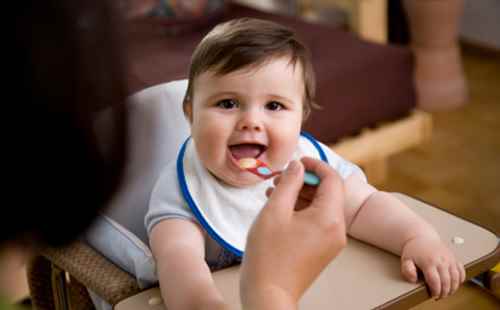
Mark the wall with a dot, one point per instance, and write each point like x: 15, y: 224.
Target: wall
x: 480, y: 23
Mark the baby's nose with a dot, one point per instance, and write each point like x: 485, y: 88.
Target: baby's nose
x: 250, y: 121
x: 250, y: 126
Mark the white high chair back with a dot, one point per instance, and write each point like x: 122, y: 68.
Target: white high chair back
x: 157, y: 128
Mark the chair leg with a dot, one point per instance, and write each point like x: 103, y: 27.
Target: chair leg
x: 40, y: 284
x: 69, y: 294
x: 51, y: 288
x: 60, y: 289
x: 79, y: 296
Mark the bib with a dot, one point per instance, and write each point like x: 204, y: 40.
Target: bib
x: 224, y: 211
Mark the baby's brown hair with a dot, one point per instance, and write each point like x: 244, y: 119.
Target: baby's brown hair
x: 245, y: 42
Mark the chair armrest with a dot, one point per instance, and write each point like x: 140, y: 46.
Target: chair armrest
x: 94, y: 271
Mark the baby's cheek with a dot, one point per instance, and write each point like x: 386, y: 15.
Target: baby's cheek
x: 210, y: 151
x: 284, y: 152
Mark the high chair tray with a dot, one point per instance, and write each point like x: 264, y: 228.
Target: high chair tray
x: 364, y: 271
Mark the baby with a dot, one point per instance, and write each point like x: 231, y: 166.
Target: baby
x: 251, y: 86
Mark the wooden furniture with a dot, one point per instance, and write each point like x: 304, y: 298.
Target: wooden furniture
x: 372, y: 148
x: 362, y: 270
x: 368, y: 18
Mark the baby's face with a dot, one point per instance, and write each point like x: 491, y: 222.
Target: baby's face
x: 253, y: 112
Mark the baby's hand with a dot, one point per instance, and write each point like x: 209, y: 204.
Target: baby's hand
x: 443, y: 273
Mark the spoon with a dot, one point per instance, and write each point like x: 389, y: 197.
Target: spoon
x: 263, y: 171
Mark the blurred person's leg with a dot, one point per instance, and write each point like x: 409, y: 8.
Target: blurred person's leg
x: 440, y: 80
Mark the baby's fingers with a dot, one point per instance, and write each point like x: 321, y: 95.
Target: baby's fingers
x: 455, y: 278
x: 433, y: 281
x: 409, y: 270
x: 461, y: 270
x: 444, y: 274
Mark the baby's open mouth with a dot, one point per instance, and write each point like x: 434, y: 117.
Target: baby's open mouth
x: 245, y: 150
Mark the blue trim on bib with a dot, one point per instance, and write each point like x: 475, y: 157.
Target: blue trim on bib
x: 318, y: 147
x: 181, y: 176
x: 192, y: 205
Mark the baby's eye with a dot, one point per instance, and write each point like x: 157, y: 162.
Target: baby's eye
x: 274, y: 106
x: 227, y: 104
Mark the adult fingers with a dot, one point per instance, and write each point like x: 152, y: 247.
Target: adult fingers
x: 329, y: 192
x: 302, y: 204
x: 306, y: 193
x: 319, y: 167
x: 284, y: 196
x: 303, y: 201
x: 269, y: 191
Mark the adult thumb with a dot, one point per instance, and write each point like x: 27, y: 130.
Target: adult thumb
x: 284, y: 196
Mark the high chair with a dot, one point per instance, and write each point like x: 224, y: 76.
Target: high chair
x: 157, y: 128
x: 118, y: 268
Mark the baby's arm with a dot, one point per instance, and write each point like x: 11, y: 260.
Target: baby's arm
x: 185, y: 280
x: 384, y: 221
x: 380, y: 219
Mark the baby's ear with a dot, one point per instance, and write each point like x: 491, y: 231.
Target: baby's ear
x: 188, y: 110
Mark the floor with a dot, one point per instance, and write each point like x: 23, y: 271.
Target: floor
x: 459, y: 168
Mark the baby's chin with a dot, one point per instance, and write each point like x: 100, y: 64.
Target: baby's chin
x: 245, y: 180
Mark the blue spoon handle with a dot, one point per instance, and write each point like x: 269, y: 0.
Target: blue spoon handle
x: 311, y: 179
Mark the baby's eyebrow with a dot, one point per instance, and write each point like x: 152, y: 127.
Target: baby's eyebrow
x: 281, y: 98
x: 221, y: 95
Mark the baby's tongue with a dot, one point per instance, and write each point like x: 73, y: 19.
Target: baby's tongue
x: 245, y: 150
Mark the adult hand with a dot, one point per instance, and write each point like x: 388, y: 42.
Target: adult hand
x: 290, y: 243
